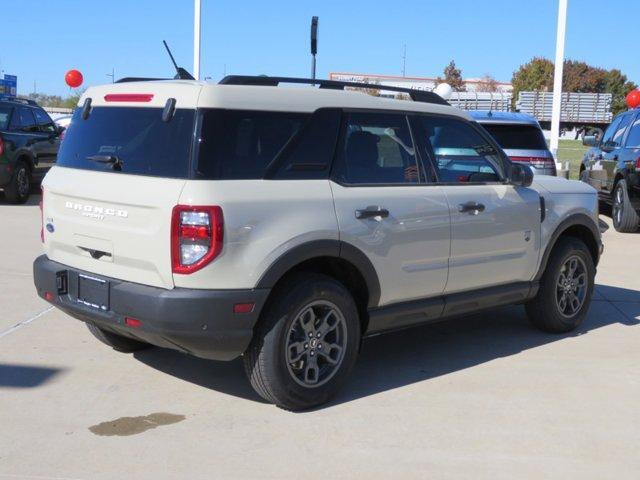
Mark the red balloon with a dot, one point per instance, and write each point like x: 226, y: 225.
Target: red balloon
x: 633, y: 98
x: 73, y: 78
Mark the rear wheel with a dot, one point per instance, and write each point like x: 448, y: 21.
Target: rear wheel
x: 306, y: 343
x: 625, y: 218
x: 566, y: 288
x: 117, y: 342
x: 18, y: 189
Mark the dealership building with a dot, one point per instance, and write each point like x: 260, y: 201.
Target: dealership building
x: 418, y: 83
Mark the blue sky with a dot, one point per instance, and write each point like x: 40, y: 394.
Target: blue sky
x: 44, y: 38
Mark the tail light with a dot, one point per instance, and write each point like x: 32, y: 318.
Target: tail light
x: 1, y: 146
x: 638, y: 165
x: 41, y: 204
x: 537, y: 162
x: 196, y: 237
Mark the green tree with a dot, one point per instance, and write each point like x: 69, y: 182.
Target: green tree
x: 453, y: 76
x: 535, y: 75
x: 619, y: 86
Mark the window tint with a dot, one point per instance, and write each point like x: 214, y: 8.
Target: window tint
x: 240, y: 144
x: 461, y: 154
x: 611, y: 130
x: 45, y: 124
x: 520, y: 137
x: 376, y: 148
x: 5, y: 115
x: 23, y: 120
x: 137, y: 136
x: 616, y: 140
x: 633, y: 140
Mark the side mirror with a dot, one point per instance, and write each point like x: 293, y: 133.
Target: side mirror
x: 60, y: 130
x: 589, y: 141
x: 521, y: 175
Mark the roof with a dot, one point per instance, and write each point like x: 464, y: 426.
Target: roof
x: 488, y: 116
x: 198, y: 94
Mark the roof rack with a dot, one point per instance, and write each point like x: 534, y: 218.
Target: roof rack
x: 25, y: 101
x: 416, y: 95
x: 139, y: 79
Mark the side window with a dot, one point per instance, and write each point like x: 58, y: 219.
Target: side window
x: 616, y: 141
x: 633, y: 139
x: 376, y: 148
x: 461, y: 153
x: 241, y: 144
x: 611, y: 130
x: 5, y: 115
x: 45, y: 124
x: 23, y: 120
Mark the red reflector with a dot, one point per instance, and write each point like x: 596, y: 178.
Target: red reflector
x: 48, y: 296
x: 243, y: 307
x: 191, y: 231
x: 128, y: 97
x: 2, y: 144
x: 132, y: 322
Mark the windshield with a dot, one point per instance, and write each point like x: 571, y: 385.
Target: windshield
x: 137, y: 137
x: 5, y: 113
x: 517, y: 137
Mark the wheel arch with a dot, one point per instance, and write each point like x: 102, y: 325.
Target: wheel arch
x: 579, y: 226
x: 340, y: 260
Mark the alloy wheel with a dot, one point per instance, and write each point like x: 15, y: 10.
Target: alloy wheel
x: 571, y: 286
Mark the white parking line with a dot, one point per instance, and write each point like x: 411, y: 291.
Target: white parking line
x: 24, y: 322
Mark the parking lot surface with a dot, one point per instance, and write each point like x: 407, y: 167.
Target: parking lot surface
x: 480, y: 397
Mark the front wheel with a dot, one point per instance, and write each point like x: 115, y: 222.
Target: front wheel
x: 625, y: 218
x: 306, y: 343
x: 566, y: 288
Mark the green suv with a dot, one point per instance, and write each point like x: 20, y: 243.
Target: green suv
x: 29, y: 142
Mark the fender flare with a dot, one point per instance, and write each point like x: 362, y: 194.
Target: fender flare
x: 324, y: 248
x: 580, y: 219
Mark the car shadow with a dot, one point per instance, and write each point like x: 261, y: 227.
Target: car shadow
x: 25, y: 376
x: 33, y: 200
x: 417, y: 354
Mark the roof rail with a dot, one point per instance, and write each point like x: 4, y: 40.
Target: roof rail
x: 25, y: 101
x: 139, y: 79
x: 415, y: 95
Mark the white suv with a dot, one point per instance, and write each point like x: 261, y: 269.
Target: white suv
x: 284, y: 224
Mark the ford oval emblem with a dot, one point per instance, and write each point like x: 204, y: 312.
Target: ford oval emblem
x: 50, y: 227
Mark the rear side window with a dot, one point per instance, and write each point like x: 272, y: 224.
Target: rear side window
x: 517, y: 137
x: 5, y: 115
x: 376, y: 148
x: 45, y: 124
x: 461, y: 153
x: 23, y: 120
x: 137, y: 137
x: 241, y: 144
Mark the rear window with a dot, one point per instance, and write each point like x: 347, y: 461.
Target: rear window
x: 517, y: 137
x: 5, y: 113
x: 241, y: 144
x: 137, y: 137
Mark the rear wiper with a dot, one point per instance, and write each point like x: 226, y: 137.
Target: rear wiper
x: 115, y: 161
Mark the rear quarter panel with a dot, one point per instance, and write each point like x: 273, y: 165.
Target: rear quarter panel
x: 263, y: 219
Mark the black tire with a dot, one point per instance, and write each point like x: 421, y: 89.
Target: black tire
x: 625, y: 219
x: 545, y: 311
x: 115, y: 341
x: 272, y: 373
x: 18, y: 189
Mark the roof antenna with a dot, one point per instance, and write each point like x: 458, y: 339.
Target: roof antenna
x: 181, y: 73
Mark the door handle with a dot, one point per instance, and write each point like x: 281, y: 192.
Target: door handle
x: 471, y: 207
x: 372, y: 212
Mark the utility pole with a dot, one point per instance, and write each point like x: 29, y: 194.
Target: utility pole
x: 196, y: 38
x: 112, y: 75
x: 557, y: 77
x: 404, y: 60
x: 314, y: 45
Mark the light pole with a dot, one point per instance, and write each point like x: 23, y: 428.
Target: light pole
x: 196, y: 39
x: 557, y: 77
x: 314, y: 45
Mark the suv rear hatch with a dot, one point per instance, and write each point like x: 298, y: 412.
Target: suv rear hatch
x: 108, y: 203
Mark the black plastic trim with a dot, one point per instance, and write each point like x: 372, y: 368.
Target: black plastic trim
x: 324, y: 248
x: 576, y: 219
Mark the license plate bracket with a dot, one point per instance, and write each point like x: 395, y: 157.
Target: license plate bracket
x: 93, y: 292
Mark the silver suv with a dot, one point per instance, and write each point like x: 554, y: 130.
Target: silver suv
x: 285, y: 224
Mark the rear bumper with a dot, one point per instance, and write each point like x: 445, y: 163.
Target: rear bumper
x: 198, y: 322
